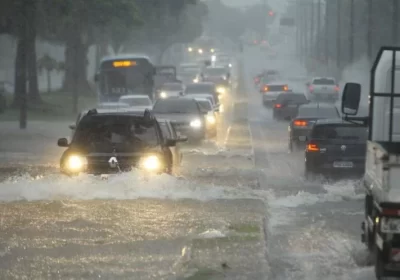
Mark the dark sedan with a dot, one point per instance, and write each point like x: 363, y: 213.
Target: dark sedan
x: 301, y: 125
x: 336, y: 146
x: 286, y: 106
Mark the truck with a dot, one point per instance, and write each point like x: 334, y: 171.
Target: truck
x: 381, y: 181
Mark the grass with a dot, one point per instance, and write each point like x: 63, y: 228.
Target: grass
x: 56, y: 106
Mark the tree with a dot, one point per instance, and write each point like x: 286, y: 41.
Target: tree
x: 168, y: 23
x: 48, y: 64
x: 77, y: 23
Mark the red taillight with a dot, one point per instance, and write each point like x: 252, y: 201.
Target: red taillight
x: 265, y: 88
x: 337, y: 88
x: 285, y: 88
x: 300, y: 123
x: 278, y: 105
x: 311, y: 147
x: 311, y: 88
x: 390, y: 212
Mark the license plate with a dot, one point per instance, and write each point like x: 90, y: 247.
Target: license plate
x: 302, y: 138
x: 343, y: 164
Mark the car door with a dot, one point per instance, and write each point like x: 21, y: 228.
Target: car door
x: 176, y: 151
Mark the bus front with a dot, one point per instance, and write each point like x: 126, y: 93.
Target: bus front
x: 118, y: 77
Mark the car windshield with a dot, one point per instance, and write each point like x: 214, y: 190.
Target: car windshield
x: 345, y: 132
x: 205, y: 104
x: 165, y: 130
x: 215, y: 71
x: 318, y: 112
x: 321, y: 82
x: 176, y: 106
x: 136, y: 101
x: 113, y: 129
x: 173, y: 87
x: 199, y: 88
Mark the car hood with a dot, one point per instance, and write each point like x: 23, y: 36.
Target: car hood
x: 177, y: 117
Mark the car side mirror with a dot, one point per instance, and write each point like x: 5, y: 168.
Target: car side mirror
x: 351, y: 99
x: 203, y: 112
x: 216, y: 109
x: 72, y: 126
x: 182, y: 138
x: 62, y: 142
x: 170, y: 142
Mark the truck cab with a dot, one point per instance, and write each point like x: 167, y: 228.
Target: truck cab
x: 381, y: 181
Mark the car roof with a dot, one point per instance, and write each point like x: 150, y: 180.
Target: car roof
x: 337, y: 121
x: 120, y: 104
x: 318, y: 105
x: 277, y: 83
x: 126, y: 57
x: 134, y: 96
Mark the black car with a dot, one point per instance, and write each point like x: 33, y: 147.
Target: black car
x: 286, y: 106
x: 301, y: 125
x: 185, y: 114
x: 335, y: 146
x: 111, y: 142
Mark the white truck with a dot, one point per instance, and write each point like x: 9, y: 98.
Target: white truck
x: 381, y: 227
x: 323, y: 89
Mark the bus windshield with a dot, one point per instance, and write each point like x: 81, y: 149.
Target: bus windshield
x: 125, y: 77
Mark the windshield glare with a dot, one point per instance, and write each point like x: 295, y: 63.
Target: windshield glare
x: 109, y: 130
x: 205, y: 104
x: 324, y: 82
x: 175, y: 106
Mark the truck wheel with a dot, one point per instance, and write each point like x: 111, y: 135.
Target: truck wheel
x: 379, y: 264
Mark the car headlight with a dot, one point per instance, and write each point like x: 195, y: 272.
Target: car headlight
x: 221, y: 90
x: 151, y: 163
x: 195, y: 123
x: 221, y: 108
x: 163, y: 94
x: 195, y: 81
x: 76, y: 163
x: 190, y: 49
x: 211, y: 119
x: 230, y: 65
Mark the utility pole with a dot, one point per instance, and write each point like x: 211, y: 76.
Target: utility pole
x: 306, y: 31
x: 395, y: 29
x: 312, y: 28
x: 369, y: 30
x: 326, y: 32
x: 298, y: 30
x: 319, y: 29
x: 338, y: 33
x: 351, y: 33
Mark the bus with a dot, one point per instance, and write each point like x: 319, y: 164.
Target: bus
x: 123, y: 75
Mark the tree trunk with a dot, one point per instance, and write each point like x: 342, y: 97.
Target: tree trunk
x: 48, y: 81
x: 34, y: 95
x: 20, y: 75
x: 76, y: 65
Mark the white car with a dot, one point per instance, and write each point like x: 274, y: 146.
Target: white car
x: 171, y: 90
x: 139, y: 102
